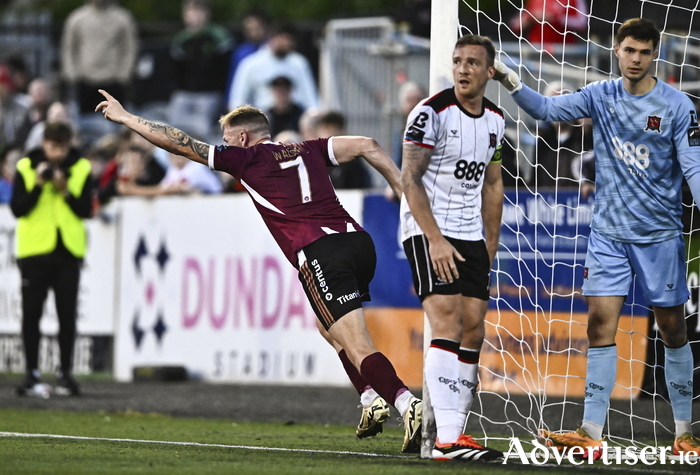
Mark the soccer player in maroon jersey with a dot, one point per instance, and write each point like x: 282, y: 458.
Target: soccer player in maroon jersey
x: 291, y: 189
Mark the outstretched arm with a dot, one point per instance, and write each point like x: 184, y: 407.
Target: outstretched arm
x: 563, y: 107
x: 161, y: 135
x: 346, y: 149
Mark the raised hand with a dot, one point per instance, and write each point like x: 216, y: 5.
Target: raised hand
x: 112, y: 109
x: 40, y: 169
x: 59, y: 181
x: 506, y: 76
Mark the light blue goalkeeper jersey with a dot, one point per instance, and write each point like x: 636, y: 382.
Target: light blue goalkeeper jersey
x: 643, y: 145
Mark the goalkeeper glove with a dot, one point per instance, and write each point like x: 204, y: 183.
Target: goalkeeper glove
x: 507, y: 77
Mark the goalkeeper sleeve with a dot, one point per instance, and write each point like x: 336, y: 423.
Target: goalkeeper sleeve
x: 507, y: 77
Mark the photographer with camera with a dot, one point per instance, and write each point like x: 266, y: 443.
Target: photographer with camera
x: 52, y: 194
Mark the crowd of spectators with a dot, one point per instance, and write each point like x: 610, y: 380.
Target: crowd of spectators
x: 545, y: 23
x: 99, y: 48
x: 560, y: 146
x: 212, y: 74
x: 200, y: 58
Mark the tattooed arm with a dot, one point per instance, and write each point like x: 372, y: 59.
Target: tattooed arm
x: 161, y: 135
x: 416, y: 160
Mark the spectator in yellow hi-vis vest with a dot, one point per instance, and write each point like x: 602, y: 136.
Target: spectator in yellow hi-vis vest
x: 52, y: 194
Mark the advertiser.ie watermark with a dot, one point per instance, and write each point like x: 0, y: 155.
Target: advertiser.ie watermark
x: 540, y: 454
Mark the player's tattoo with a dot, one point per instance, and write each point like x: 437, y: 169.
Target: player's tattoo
x: 416, y: 161
x: 201, y: 149
x: 177, y: 138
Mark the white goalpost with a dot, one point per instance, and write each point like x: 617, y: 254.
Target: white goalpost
x: 533, y: 361
x: 443, y: 35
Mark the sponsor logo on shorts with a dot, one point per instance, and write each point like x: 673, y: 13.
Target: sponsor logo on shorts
x: 585, y: 272
x: 671, y: 288
x: 346, y: 298
x: 318, y: 272
x: 439, y: 281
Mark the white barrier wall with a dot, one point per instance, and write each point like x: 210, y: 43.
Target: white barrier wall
x: 96, y: 312
x: 204, y: 285
x: 195, y: 281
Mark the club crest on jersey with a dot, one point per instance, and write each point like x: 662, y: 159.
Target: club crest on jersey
x: 653, y: 123
x: 493, y: 140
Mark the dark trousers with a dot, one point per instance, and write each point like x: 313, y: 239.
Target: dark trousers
x: 60, y: 272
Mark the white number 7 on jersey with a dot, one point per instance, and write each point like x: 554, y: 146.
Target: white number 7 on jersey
x: 303, y: 177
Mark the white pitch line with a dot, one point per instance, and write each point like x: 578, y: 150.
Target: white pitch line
x: 199, y: 444
x: 308, y: 451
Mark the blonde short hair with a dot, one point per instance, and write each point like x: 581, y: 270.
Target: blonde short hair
x: 245, y: 116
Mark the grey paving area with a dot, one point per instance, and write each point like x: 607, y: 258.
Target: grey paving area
x: 518, y: 416
x: 197, y: 399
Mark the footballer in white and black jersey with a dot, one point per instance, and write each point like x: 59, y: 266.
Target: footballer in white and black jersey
x: 450, y: 224
x: 463, y: 145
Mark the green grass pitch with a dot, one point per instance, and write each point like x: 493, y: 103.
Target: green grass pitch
x: 314, y: 448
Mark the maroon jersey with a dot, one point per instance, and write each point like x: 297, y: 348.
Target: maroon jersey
x: 291, y: 189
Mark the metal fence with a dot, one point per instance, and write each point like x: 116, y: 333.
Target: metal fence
x: 29, y: 36
x: 363, y: 64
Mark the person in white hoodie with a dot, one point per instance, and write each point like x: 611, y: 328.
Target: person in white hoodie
x: 251, y: 83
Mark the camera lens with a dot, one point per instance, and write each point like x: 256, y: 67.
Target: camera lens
x: 47, y: 174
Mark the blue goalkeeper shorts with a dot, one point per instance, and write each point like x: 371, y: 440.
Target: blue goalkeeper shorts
x: 659, y: 267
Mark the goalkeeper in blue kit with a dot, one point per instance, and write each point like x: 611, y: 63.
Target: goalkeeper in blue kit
x: 646, y: 139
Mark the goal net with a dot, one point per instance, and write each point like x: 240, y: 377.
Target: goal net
x: 533, y: 361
